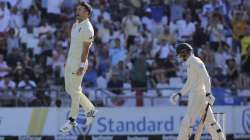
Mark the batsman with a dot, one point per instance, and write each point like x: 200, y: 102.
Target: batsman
x: 200, y: 99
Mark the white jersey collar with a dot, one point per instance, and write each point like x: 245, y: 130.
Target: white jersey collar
x: 84, y: 21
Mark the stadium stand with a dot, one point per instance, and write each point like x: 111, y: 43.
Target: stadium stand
x: 133, y: 55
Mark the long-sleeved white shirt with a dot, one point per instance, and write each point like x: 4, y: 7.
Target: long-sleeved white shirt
x: 198, y: 80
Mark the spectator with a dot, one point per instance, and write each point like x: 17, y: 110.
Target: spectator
x: 7, y: 84
x: 33, y: 17
x: 115, y: 85
x: 239, y: 25
x: 131, y: 24
x: 4, y: 68
x: 220, y: 57
x: 219, y: 79
x: 103, y: 60
x: 245, y: 41
x: 34, y: 36
x: 164, y: 69
x: 28, y: 67
x: 104, y: 32
x: 104, y: 12
x: 12, y: 3
x: 171, y: 67
x: 47, y: 47
x: 26, y: 83
x: 168, y: 36
x: 90, y: 76
x: 13, y: 40
x: 135, y: 50
x: 41, y: 98
x: 219, y: 6
x: 138, y: 72
x: 62, y: 38
x: 25, y: 4
x: 158, y: 74
x: 200, y: 37
x: 43, y: 6
x: 29, y: 39
x: 16, y: 18
x: 147, y: 20
x: 45, y: 29
x: 117, y: 53
x: 246, y: 62
x: 26, y: 89
x: 4, y: 17
x: 162, y: 49
x: 68, y: 4
x: 102, y: 81
x: 176, y: 10
x: 186, y: 28
x: 54, y: 10
x: 216, y: 31
x: 208, y: 9
x: 122, y: 71
x: 18, y: 72
x: 39, y: 69
x: 157, y: 10
x: 207, y: 55
x: 14, y: 56
x: 58, y: 60
x: 7, y: 91
x: 232, y: 72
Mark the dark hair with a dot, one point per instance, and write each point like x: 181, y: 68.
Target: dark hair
x: 87, y: 6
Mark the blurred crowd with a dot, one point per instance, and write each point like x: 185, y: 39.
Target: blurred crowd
x: 134, y: 43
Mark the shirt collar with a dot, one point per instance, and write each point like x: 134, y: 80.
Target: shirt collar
x: 84, y: 21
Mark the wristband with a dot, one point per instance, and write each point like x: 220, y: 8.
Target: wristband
x: 82, y: 65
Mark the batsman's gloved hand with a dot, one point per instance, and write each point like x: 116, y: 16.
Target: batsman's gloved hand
x: 210, y: 98
x: 174, y: 98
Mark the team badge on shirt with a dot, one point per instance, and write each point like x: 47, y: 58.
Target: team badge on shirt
x: 79, y: 29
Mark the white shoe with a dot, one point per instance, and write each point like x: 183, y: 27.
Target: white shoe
x: 90, y: 117
x: 68, y: 126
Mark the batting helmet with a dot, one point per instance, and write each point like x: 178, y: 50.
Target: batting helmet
x: 183, y: 47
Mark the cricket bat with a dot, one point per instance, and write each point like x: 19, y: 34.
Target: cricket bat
x: 199, y: 130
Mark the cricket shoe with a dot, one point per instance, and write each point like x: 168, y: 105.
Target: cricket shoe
x: 90, y: 117
x: 68, y: 126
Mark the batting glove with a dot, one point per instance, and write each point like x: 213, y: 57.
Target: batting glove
x: 174, y: 98
x: 210, y: 98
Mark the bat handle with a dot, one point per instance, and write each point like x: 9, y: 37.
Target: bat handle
x: 198, y: 132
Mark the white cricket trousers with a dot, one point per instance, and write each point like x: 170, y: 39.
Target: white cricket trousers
x: 73, y: 88
x: 196, y: 107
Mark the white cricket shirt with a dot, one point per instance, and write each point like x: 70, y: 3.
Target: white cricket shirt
x: 198, y: 80
x: 80, y: 32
